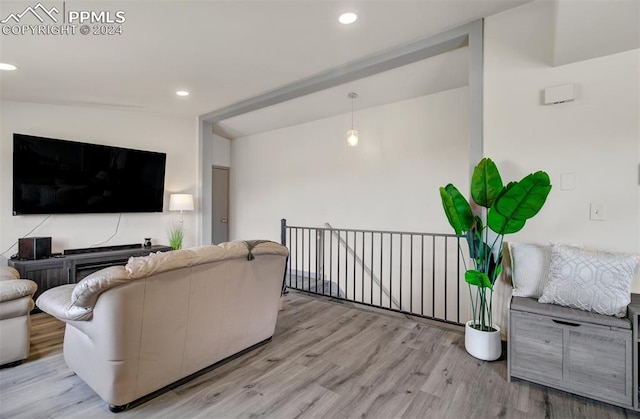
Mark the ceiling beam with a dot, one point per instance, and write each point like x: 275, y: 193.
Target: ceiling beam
x: 374, y: 64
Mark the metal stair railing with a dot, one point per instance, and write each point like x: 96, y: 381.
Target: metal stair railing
x: 407, y: 272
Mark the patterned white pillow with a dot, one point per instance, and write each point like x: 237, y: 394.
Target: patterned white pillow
x: 530, y: 268
x: 590, y: 280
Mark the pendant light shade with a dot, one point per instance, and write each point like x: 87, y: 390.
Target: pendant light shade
x: 352, y: 134
x: 352, y: 138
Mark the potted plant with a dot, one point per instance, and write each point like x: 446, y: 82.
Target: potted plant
x: 507, y: 208
x: 176, y: 235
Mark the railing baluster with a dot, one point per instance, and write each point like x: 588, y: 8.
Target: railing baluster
x: 446, y: 270
x: 411, y: 277
x: 324, y: 235
x: 433, y: 279
x: 346, y: 264
x: 458, y: 281
x: 422, y: 274
x: 338, y: 263
x: 391, y: 272
x: 355, y: 246
x: 381, y: 275
x: 331, y: 260
x: 363, y: 262
x: 297, y: 253
x: 309, y: 260
x: 371, y: 276
x: 401, y: 264
x: 290, y: 261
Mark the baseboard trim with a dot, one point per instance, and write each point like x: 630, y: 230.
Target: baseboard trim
x: 150, y: 396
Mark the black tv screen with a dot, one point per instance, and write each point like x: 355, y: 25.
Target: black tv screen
x: 66, y: 177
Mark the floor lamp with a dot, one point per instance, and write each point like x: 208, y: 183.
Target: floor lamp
x: 179, y: 202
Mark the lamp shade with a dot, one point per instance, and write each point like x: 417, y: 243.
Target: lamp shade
x: 181, y: 202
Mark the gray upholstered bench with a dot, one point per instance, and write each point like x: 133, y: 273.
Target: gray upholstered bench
x: 577, y: 351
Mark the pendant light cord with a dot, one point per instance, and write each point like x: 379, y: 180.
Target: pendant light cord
x: 352, y: 96
x: 351, y: 112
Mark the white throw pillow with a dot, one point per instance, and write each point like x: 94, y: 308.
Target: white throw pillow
x: 530, y: 268
x: 590, y: 280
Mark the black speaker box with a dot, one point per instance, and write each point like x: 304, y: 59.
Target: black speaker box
x: 34, y: 248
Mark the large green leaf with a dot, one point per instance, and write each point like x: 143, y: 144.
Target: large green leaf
x: 520, y: 202
x: 474, y: 238
x: 499, y: 222
x: 503, y: 225
x: 477, y: 278
x: 457, y: 209
x: 486, y: 183
x: 506, y: 189
x: 525, y: 199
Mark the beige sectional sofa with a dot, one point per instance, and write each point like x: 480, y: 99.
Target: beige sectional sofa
x: 133, y: 330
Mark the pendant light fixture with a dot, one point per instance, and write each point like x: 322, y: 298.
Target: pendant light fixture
x: 352, y: 134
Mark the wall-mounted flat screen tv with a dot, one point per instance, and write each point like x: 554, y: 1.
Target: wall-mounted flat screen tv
x: 53, y: 176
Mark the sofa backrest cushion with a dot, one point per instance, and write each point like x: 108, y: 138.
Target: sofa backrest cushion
x: 140, y: 267
x: 86, y: 292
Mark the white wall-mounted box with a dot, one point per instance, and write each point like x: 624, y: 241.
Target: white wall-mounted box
x: 559, y: 94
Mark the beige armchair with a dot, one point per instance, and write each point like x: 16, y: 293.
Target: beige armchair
x: 15, y: 324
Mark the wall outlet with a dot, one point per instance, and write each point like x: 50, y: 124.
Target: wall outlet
x: 597, y: 212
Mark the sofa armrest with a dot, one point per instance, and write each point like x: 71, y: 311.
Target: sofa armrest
x: 16, y: 288
x: 15, y: 308
x: 7, y: 272
x: 58, y: 302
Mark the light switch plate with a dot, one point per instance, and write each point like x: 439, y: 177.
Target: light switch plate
x: 597, y: 212
x: 567, y: 181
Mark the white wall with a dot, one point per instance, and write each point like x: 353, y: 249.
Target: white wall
x: 308, y: 175
x: 140, y: 130
x: 221, y: 151
x: 596, y: 137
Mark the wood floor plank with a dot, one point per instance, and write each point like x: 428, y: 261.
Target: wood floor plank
x: 326, y: 360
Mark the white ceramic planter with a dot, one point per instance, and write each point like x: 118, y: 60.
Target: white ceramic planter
x: 482, y: 345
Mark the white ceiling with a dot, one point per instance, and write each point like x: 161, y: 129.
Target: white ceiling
x: 227, y: 51
x: 590, y: 29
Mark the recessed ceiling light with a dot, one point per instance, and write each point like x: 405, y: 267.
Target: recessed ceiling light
x: 182, y: 93
x: 347, y: 18
x: 7, y: 67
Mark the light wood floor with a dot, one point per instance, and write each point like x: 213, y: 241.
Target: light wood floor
x: 326, y: 360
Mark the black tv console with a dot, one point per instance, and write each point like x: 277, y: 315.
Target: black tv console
x: 72, y: 268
